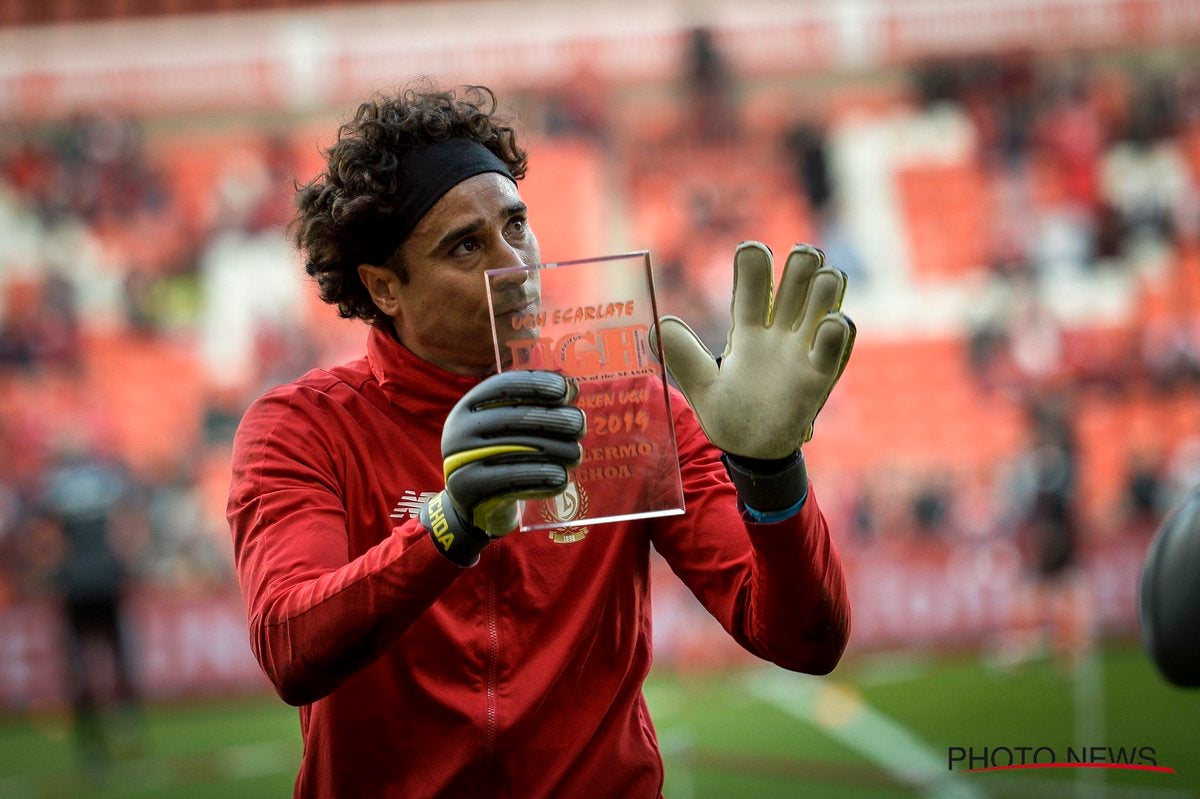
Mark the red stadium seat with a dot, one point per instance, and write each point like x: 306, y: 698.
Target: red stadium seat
x: 150, y: 390
x: 946, y: 209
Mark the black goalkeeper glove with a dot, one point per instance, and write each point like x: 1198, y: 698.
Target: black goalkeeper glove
x: 511, y: 437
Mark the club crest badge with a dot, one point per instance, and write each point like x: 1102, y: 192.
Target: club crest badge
x: 570, y: 504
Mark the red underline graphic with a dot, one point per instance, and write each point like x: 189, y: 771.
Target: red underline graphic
x: 1125, y: 766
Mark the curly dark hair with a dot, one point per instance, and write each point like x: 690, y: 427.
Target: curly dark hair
x: 342, y: 215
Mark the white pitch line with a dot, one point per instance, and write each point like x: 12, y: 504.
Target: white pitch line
x: 840, y: 712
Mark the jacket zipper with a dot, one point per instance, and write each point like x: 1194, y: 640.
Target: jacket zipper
x: 493, y: 665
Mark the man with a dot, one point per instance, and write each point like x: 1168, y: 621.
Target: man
x: 444, y: 654
x: 88, y: 504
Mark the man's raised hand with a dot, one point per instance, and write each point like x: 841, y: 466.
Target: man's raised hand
x: 784, y: 354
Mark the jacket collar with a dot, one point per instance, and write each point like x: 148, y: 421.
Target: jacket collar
x: 410, y: 380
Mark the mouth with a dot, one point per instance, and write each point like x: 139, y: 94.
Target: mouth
x: 528, y: 307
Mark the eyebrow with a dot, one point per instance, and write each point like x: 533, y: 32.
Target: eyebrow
x: 464, y: 230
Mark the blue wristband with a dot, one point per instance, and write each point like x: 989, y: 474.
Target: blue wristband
x: 758, y: 517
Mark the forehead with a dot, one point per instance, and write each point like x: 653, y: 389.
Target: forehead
x: 482, y: 198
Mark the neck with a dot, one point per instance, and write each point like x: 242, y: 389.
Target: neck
x: 443, y: 360
x: 467, y: 370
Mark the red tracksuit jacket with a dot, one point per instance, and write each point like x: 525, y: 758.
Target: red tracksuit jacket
x: 520, y: 676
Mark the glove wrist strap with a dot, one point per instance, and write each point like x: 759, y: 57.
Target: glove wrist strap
x: 770, y: 490
x: 459, y: 541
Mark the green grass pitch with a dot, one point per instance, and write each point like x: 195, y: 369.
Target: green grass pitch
x: 878, y: 727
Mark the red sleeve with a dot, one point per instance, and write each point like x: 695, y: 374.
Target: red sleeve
x: 316, y: 615
x: 778, y: 589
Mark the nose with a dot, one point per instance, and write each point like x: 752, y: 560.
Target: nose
x: 515, y: 276
x: 508, y: 256
x: 512, y: 289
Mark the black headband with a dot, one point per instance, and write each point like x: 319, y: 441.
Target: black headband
x: 427, y: 174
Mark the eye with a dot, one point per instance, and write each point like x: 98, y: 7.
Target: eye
x: 518, y: 224
x: 465, y: 247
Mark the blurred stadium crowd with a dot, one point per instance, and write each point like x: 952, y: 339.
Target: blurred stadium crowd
x: 148, y: 292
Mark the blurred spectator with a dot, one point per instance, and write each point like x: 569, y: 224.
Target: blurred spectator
x: 710, y: 87
x: 1073, y: 140
x: 862, y: 516
x: 989, y: 319
x: 1111, y: 233
x: 59, y: 333
x: 1171, y: 352
x: 1044, y: 491
x: 12, y: 512
x: 1043, y: 515
x: 938, y: 81
x: 578, y: 106
x: 931, y: 506
x: 1035, y: 337
x: 91, y: 536
x: 18, y: 336
x: 998, y: 93
x: 39, y: 327
x: 222, y: 413
x: 1146, y: 495
x: 807, y: 147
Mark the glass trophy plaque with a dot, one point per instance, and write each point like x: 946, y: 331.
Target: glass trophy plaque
x: 591, y: 320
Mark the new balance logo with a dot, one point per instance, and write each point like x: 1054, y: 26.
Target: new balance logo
x: 411, y: 503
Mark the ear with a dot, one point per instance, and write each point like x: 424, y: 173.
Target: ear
x: 383, y: 285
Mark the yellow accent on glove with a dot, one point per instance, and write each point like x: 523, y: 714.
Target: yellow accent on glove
x: 461, y: 459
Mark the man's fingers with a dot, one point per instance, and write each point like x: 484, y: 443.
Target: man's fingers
x: 685, y: 356
x: 521, y: 387
x: 568, y: 424
x: 831, y: 345
x: 512, y: 449
x: 824, y: 297
x: 752, y: 284
x: 484, y: 481
x: 514, y: 416
x: 802, y: 263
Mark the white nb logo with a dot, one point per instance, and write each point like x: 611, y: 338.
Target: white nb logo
x: 411, y: 503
